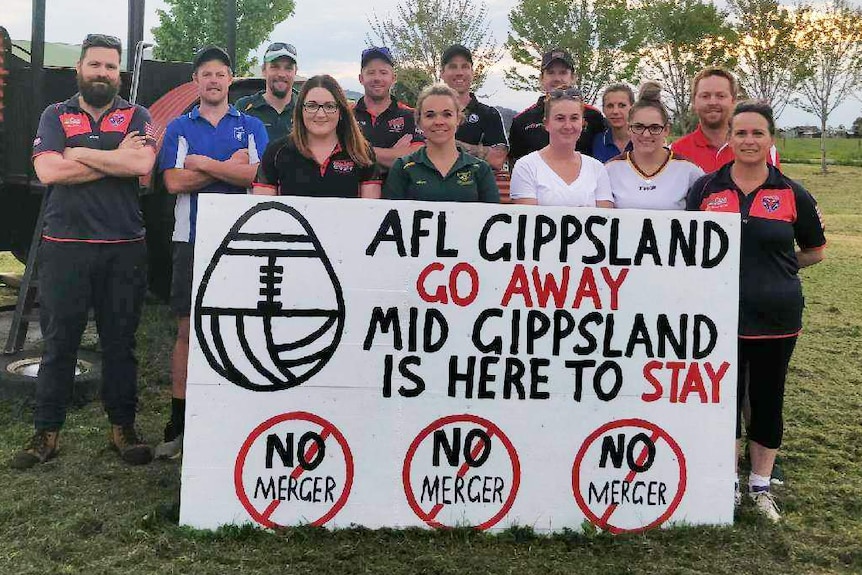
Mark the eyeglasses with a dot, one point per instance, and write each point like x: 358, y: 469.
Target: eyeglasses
x: 327, y: 107
x: 566, y: 93
x: 653, y: 129
x: 101, y: 41
x: 377, y: 50
x: 276, y: 46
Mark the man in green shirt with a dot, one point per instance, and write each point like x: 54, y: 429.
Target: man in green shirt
x: 415, y: 177
x: 274, y: 106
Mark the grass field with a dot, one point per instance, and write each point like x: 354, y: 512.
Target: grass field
x: 842, y: 151
x: 87, y: 513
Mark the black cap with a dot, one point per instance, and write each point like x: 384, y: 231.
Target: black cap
x: 211, y: 52
x: 557, y: 54
x: 456, y: 50
x: 378, y: 53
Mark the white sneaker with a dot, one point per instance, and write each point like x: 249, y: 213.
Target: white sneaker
x: 737, y: 495
x: 170, y: 449
x: 765, y: 504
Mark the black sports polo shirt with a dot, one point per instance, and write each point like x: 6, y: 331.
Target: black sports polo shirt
x: 482, y: 125
x: 104, y: 210
x: 385, y: 130
x: 284, y: 169
x: 528, y: 133
x: 775, y: 218
x: 277, y: 125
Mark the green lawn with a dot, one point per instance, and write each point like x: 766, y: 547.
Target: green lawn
x: 844, y: 151
x: 87, y: 513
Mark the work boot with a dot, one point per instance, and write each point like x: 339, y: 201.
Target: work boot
x: 43, y: 446
x: 126, y: 440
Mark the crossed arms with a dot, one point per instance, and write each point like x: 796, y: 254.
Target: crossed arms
x: 132, y: 158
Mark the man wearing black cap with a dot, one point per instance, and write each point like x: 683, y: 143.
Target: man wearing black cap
x: 91, y: 149
x: 274, y: 106
x: 212, y: 149
x: 388, y: 124
x: 481, y: 134
x: 528, y: 132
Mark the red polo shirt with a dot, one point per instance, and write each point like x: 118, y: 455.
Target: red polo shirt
x: 696, y: 147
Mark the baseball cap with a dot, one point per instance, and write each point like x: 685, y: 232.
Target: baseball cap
x: 379, y: 52
x: 456, y: 50
x: 555, y: 54
x: 211, y: 52
x: 278, y: 50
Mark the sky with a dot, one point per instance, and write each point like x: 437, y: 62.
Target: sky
x: 329, y: 38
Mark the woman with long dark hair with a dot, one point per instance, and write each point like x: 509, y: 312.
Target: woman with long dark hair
x: 325, y: 154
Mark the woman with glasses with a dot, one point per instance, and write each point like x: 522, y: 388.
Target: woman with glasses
x: 558, y: 175
x: 650, y: 176
x: 325, y: 155
x: 440, y: 171
x: 781, y: 233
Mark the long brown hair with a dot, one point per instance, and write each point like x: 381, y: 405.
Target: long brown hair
x: 348, y: 131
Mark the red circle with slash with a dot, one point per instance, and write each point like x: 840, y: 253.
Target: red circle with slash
x: 656, y: 434
x: 328, y: 430
x: 492, y: 431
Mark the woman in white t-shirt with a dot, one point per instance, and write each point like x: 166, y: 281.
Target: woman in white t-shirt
x: 650, y: 176
x: 557, y: 175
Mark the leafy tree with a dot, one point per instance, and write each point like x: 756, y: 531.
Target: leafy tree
x: 831, y: 38
x: 857, y: 127
x: 599, y: 34
x: 188, y: 25
x: 770, y: 63
x: 420, y: 31
x: 410, y: 83
x: 681, y: 37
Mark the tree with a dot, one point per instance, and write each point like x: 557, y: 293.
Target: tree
x: 857, y: 127
x: 770, y: 63
x: 190, y: 24
x: 831, y: 38
x: 420, y: 31
x: 410, y: 82
x: 599, y: 34
x: 681, y: 37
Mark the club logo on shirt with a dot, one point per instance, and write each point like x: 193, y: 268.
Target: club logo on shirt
x: 72, y: 121
x: 396, y: 125
x: 534, y: 126
x: 771, y: 203
x: 343, y: 166
x: 37, y: 141
x: 465, y: 178
x: 239, y: 133
x: 117, y: 119
x: 473, y: 119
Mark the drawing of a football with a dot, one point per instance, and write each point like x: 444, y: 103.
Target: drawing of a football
x: 269, y: 312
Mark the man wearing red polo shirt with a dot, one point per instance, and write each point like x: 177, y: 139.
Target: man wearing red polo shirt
x: 713, y: 100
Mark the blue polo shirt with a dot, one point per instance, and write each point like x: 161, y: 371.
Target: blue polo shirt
x: 604, y: 147
x: 192, y: 134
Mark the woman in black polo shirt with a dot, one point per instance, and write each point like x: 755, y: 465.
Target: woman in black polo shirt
x: 439, y: 171
x: 325, y: 155
x: 778, y: 215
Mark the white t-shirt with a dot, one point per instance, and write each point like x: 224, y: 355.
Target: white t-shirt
x: 533, y: 178
x: 664, y: 190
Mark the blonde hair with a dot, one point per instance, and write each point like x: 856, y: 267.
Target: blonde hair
x: 348, y: 131
x: 438, y: 89
x: 649, y: 96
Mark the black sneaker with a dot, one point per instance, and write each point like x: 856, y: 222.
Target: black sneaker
x: 126, y: 440
x: 42, y: 447
x: 777, y: 477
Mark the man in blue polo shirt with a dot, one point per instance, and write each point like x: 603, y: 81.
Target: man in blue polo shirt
x: 212, y: 149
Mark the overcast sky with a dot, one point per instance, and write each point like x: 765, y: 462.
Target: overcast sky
x: 329, y: 37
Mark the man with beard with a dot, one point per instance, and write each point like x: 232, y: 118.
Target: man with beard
x: 481, y: 134
x: 90, y: 150
x: 212, y: 149
x: 274, y: 106
x: 386, y: 123
x: 528, y: 133
x: 713, y: 99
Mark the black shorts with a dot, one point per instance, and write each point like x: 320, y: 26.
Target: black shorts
x: 181, y: 281
x: 762, y: 372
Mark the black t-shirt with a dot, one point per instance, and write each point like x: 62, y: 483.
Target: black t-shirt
x: 385, y: 130
x: 104, y: 210
x: 528, y: 133
x: 482, y: 125
x: 284, y: 169
x: 775, y: 217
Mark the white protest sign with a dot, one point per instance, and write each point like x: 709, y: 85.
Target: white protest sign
x: 413, y: 364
